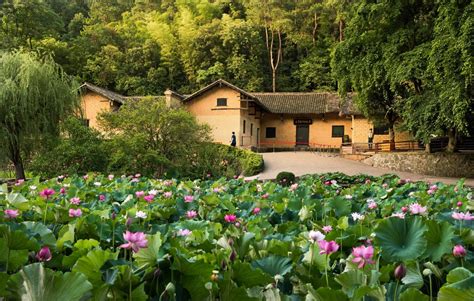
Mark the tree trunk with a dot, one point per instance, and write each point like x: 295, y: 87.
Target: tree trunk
x: 341, y: 30
x: 19, y: 170
x: 391, y: 136
x: 452, y: 137
x: 428, y: 147
x: 274, y: 80
x: 315, y: 27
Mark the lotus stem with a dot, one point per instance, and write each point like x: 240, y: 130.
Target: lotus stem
x: 130, y: 278
x: 45, y: 211
x: 431, y: 288
x: 326, y: 268
x: 396, y: 290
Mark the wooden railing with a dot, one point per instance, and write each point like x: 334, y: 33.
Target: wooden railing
x: 294, y: 145
x: 399, y: 146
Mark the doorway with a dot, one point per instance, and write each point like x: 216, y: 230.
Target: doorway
x: 302, y: 134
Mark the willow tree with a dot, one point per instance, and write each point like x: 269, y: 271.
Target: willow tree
x: 35, y: 95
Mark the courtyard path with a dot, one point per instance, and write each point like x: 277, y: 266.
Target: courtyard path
x: 301, y: 163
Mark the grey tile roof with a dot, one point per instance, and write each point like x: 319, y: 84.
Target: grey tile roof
x: 104, y: 92
x: 303, y: 102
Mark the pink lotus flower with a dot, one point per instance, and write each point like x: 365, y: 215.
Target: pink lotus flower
x: 315, y: 236
x: 11, y: 213
x: 327, y: 229
x: 168, y: 183
x: 327, y: 247
x: 404, y: 209
x: 459, y: 251
x: 101, y: 197
x: 400, y: 215
x: 62, y: 190
x: 184, y: 232
x: 372, y: 205
x: 46, y: 193
x: 134, y: 180
x: 44, y: 254
x: 256, y: 210
x: 463, y: 216
x: 188, y: 198
x: 367, y: 181
x: 327, y: 183
x: 265, y: 196
x: 230, y: 218
x: 168, y: 194
x: 216, y: 190
x: 75, y: 212
x: 135, y: 241
x: 19, y: 182
x: 75, y: 201
x: 384, y: 185
x: 191, y: 214
x: 85, y: 177
x: 110, y: 177
x: 363, y: 255
x: 459, y: 204
x: 416, y: 208
x: 140, y: 194
x: 293, y: 187
x: 149, y: 198
x: 137, y: 175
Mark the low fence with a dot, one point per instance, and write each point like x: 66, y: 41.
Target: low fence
x: 276, y: 146
x: 399, y: 146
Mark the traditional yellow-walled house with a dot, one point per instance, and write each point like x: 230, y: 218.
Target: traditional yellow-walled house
x: 277, y: 120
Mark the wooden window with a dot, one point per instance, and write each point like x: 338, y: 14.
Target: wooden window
x: 381, y: 130
x: 85, y: 122
x: 270, y: 132
x: 251, y: 129
x: 222, y: 102
x: 244, y: 127
x: 337, y: 131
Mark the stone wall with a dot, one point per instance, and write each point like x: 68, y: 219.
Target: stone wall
x: 438, y: 164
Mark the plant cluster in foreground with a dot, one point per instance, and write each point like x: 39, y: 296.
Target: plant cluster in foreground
x: 325, y: 237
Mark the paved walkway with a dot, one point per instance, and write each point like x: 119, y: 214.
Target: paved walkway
x: 301, y: 163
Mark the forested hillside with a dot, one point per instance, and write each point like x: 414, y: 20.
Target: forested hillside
x: 407, y: 60
x: 144, y: 47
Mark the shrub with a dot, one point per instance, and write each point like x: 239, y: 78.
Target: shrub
x: 80, y: 150
x: 285, y: 178
x: 152, y: 139
x: 252, y: 163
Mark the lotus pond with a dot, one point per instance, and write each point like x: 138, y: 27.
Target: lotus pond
x: 326, y: 237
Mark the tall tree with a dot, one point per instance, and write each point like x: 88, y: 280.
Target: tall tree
x: 34, y: 97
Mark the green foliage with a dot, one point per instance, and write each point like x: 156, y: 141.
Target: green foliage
x: 81, y: 150
x: 401, y: 239
x: 35, y: 95
x: 285, y: 178
x: 265, y: 253
x: 34, y: 282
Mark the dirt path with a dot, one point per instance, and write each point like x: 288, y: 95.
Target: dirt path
x: 301, y: 163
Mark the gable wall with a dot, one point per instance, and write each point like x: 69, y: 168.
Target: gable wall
x: 91, y: 105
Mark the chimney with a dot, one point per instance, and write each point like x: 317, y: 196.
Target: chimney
x: 171, y: 100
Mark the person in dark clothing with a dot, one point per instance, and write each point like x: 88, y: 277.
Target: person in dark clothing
x: 233, y: 140
x: 371, y: 138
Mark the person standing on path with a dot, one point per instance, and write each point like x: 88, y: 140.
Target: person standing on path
x: 233, y: 140
x: 371, y: 138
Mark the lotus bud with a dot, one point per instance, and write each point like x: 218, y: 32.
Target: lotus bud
x: 113, y: 216
x: 233, y: 256
x: 44, y: 254
x: 459, y: 204
x: 215, y: 276
x: 170, y: 288
x: 278, y: 278
x: 230, y: 242
x: 208, y: 286
x: 223, y: 265
x: 427, y: 272
x: 129, y: 221
x: 400, y: 271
